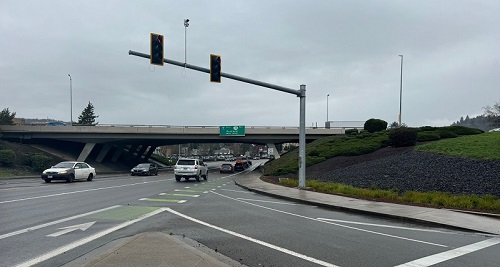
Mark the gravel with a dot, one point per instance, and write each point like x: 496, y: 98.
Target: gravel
x: 406, y: 169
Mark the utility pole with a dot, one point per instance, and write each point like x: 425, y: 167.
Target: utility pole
x: 299, y: 93
x: 400, y: 91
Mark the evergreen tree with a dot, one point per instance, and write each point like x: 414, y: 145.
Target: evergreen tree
x: 6, y: 117
x: 88, y: 116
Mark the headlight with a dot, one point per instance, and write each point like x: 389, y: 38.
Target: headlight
x: 44, y: 172
x: 63, y: 172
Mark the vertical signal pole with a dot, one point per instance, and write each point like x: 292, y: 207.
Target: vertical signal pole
x: 302, y: 138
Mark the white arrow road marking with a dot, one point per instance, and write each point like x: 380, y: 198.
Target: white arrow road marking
x: 67, y: 229
x: 63, y: 249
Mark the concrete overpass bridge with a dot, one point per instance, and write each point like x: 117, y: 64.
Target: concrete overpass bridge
x: 110, y: 142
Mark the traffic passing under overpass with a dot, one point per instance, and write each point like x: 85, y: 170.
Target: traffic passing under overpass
x: 110, y: 141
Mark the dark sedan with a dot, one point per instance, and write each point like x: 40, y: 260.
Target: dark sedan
x: 226, y: 168
x: 144, y: 169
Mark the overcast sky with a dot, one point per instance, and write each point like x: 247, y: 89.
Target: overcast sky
x: 347, y: 49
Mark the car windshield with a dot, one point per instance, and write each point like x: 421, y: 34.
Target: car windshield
x: 64, y: 165
x: 185, y: 162
x: 143, y: 165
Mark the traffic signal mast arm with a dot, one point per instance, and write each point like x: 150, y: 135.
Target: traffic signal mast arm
x: 298, y: 93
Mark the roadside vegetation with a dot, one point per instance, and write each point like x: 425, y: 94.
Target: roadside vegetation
x: 455, y: 141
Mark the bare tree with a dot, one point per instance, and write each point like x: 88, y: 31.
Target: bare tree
x: 493, y: 114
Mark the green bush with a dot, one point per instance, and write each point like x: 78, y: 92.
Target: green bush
x: 447, y: 134
x: 7, y: 157
x: 427, y: 128
x: 427, y: 136
x: 163, y: 160
x: 351, y: 131
x: 403, y: 137
x: 461, y: 130
x: 375, y: 125
x: 40, y: 162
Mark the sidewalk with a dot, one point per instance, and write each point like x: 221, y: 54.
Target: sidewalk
x: 444, y: 217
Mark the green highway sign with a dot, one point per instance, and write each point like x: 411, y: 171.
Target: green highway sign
x: 232, y: 130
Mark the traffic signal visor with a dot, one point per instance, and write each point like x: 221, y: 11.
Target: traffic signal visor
x: 156, y: 57
x: 215, y: 68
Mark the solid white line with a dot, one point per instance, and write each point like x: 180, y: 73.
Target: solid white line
x: 265, y: 201
x: 385, y: 226
x: 86, y: 240
x: 340, y: 225
x: 450, y: 254
x: 80, y: 191
x: 22, y: 231
x: 284, y: 250
x: 239, y: 191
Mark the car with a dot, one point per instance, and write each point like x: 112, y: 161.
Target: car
x: 239, y: 166
x: 145, y: 169
x: 69, y: 171
x: 226, y: 168
x: 187, y: 168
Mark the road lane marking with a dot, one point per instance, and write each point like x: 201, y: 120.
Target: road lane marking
x: 80, y: 191
x: 284, y: 250
x: 451, y: 254
x: 163, y: 200
x: 266, y: 201
x: 55, y: 222
x: 69, y: 229
x: 239, y: 191
x: 86, y: 240
x: 332, y: 223
x: 178, y: 195
x: 386, y: 226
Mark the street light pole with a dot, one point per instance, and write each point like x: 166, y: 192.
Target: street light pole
x: 400, y: 91
x: 71, y: 99
x: 327, y: 106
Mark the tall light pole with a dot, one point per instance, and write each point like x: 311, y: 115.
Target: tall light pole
x: 400, y: 91
x: 327, y: 106
x: 71, y: 99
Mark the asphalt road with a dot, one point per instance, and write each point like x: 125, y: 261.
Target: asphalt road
x: 62, y: 223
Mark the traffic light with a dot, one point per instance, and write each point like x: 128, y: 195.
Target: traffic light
x: 215, y: 68
x: 156, y: 57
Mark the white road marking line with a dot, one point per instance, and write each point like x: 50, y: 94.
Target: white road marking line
x: 273, y: 202
x: 450, y: 254
x: 284, y: 250
x: 385, y: 226
x: 181, y: 201
x: 83, y: 241
x: 80, y: 191
x: 239, y: 191
x: 69, y: 229
x: 22, y: 231
x: 340, y: 225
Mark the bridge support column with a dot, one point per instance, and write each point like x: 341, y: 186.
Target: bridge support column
x: 105, y: 149
x: 118, y: 152
x: 272, y: 147
x: 86, y: 151
x: 150, y: 152
x: 141, y: 152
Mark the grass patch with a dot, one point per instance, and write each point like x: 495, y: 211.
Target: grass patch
x: 486, y: 203
x: 484, y: 146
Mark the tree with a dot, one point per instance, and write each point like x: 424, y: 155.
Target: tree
x: 88, y: 116
x: 375, y: 125
x: 6, y: 117
x: 493, y: 114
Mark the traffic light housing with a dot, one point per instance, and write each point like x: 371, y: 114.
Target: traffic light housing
x: 215, y: 68
x: 156, y: 57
